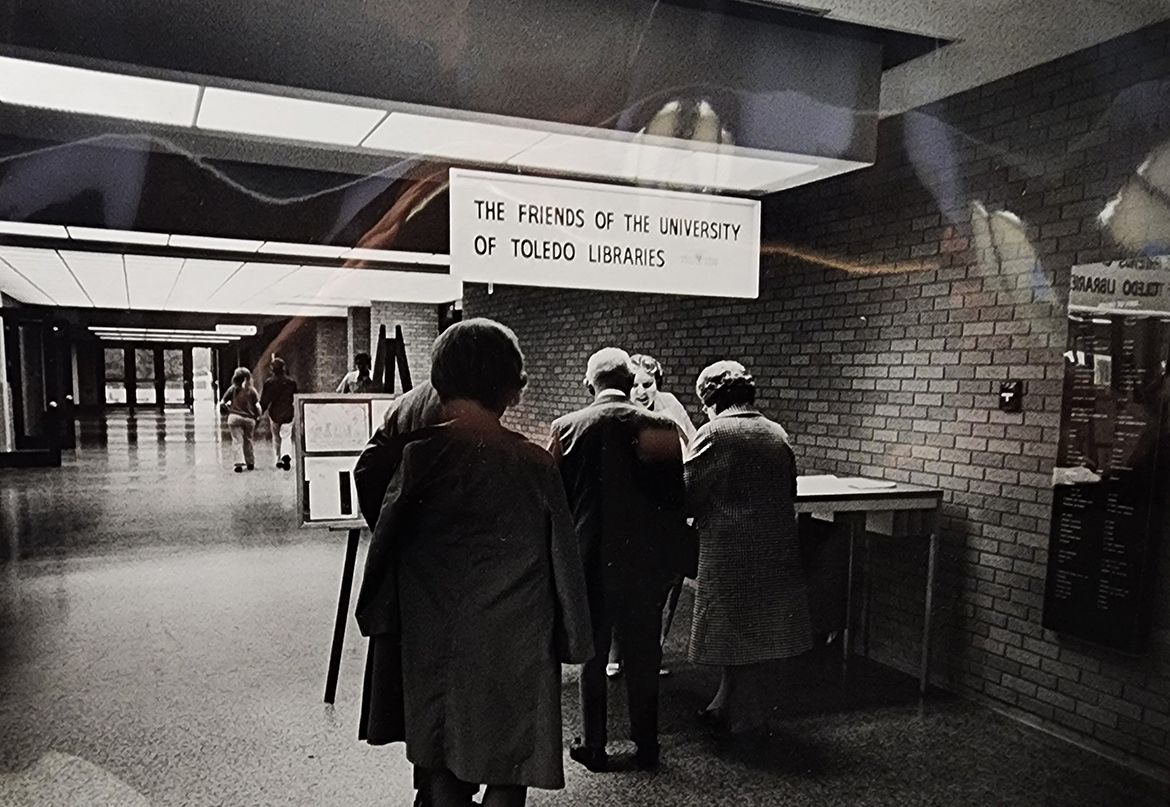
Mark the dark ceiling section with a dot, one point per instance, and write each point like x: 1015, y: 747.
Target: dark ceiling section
x: 609, y: 63
x: 142, y: 189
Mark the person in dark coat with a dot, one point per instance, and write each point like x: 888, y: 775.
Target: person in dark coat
x: 751, y: 604
x: 277, y: 400
x: 473, y: 558
x: 622, y: 468
x: 414, y: 410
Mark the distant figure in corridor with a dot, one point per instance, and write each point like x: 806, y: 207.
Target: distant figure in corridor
x: 358, y: 379
x: 751, y: 606
x: 473, y: 593
x: 277, y: 400
x: 622, y: 468
x: 242, y: 407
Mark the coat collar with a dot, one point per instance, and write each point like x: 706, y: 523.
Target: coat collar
x: 609, y: 396
x: 739, y: 411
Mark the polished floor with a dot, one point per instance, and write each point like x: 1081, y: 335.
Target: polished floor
x: 165, y: 627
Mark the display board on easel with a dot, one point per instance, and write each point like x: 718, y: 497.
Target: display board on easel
x: 330, y: 431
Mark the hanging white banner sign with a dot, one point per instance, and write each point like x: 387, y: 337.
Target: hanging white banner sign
x: 532, y: 231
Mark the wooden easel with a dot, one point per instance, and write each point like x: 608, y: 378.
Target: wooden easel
x: 395, y: 348
x: 391, y: 353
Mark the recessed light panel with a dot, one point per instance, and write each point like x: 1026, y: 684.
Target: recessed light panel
x: 117, y: 236
x: 93, y: 92
x: 286, y: 118
x: 405, y: 133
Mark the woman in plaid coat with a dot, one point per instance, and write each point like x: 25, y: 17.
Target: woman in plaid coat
x: 751, y: 607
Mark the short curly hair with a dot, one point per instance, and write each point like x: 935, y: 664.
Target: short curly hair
x: 648, y: 364
x: 479, y: 360
x: 724, y: 384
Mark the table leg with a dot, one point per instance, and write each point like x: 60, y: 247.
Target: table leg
x: 847, y: 633
x: 351, y: 548
x: 924, y: 669
x: 865, y: 593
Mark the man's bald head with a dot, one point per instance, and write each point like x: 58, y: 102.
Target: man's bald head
x: 610, y: 368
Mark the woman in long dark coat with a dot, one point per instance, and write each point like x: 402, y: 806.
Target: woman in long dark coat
x: 751, y: 604
x: 474, y: 591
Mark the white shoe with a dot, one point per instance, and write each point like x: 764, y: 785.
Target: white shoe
x: 613, y: 669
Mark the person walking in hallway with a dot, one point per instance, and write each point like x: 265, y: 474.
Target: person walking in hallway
x: 277, y: 400
x: 358, y: 379
x: 473, y: 593
x: 622, y: 469
x: 751, y: 604
x: 242, y: 407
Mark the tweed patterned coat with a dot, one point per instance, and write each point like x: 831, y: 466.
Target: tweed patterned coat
x: 752, y: 598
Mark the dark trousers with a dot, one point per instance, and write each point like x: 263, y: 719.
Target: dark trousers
x: 637, y: 622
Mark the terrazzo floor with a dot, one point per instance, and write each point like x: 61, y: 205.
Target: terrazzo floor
x: 165, y: 628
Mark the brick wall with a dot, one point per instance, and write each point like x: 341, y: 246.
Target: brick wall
x: 884, y: 324
x: 314, y: 349
x: 420, y: 327
x: 358, y: 340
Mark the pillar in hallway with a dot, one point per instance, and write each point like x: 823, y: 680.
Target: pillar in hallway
x: 7, y: 425
x: 357, y: 332
x: 420, y: 328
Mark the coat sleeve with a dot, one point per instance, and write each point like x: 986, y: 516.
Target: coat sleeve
x: 573, y: 629
x: 375, y: 467
x: 377, y: 603
x: 266, y: 398
x: 700, y: 471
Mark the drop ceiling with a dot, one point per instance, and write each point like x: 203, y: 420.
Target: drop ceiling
x: 989, y: 40
x: 124, y: 281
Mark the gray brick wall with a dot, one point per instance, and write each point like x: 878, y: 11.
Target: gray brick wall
x: 879, y: 338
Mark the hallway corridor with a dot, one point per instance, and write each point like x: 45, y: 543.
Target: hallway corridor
x: 165, y: 628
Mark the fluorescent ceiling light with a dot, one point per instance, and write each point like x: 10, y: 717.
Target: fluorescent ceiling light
x: 238, y: 330
x: 212, y: 243
x: 397, y: 256
x: 126, y: 329
x: 32, y: 228
x: 92, y: 92
x: 102, y: 275
x: 602, y: 157
x: 21, y: 288
x: 137, y: 337
x: 309, y: 250
x: 151, y: 280
x: 117, y: 236
x: 287, y: 118
x: 47, y: 271
x: 706, y: 169
x: 250, y: 280
x: 448, y: 138
x: 329, y: 285
x: 197, y: 281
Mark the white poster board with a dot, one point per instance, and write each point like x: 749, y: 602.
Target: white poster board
x: 330, y: 431
x: 534, y: 231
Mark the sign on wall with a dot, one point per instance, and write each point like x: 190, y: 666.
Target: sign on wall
x: 331, y: 431
x: 1134, y: 286
x: 534, y: 231
x: 1111, y: 466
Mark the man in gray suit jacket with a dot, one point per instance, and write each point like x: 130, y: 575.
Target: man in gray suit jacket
x: 622, y: 469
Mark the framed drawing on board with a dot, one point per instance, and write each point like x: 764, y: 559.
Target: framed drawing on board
x: 330, y: 431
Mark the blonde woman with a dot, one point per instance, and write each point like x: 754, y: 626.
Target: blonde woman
x: 241, y: 404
